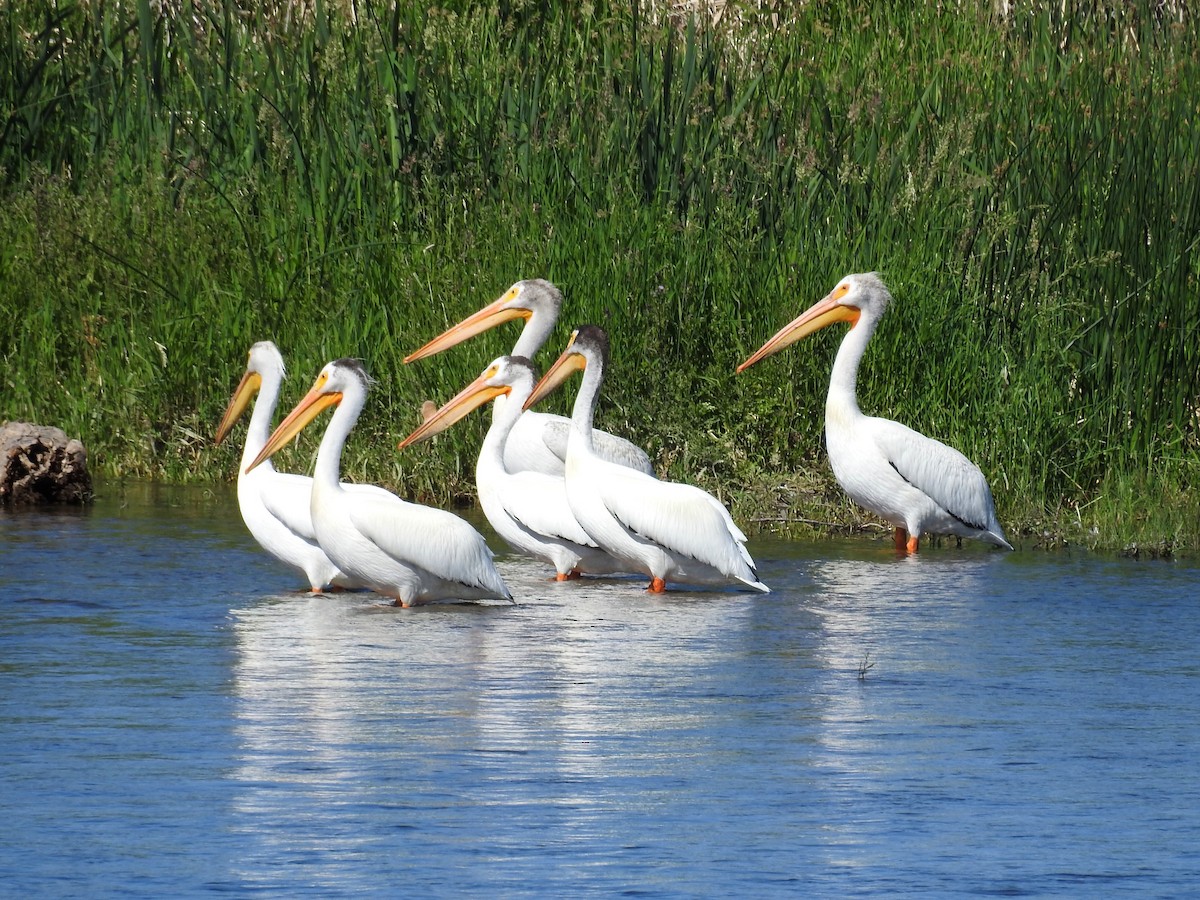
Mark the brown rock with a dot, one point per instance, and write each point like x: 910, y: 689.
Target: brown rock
x: 40, y: 464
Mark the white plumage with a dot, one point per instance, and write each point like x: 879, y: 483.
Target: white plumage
x: 527, y: 508
x: 412, y: 553
x: 668, y: 531
x: 917, y: 484
x: 538, y: 441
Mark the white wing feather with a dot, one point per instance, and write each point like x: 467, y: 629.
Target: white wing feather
x: 435, y: 540
x: 539, y: 502
x: 288, y: 499
x: 681, y: 518
x: 941, y: 472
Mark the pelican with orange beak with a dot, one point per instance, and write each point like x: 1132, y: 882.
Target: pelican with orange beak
x: 917, y: 484
x: 411, y: 553
x: 538, y: 441
x: 666, y: 530
x: 528, y: 509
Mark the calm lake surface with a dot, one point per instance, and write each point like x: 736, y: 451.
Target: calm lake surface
x: 176, y: 720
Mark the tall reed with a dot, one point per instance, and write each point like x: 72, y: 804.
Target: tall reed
x: 348, y: 178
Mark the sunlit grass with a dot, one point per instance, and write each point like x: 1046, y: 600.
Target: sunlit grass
x: 350, y: 181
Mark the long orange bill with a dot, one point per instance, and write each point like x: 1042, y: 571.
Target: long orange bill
x: 473, y: 396
x: 250, y: 385
x: 316, y: 401
x: 822, y: 313
x: 490, y: 316
x: 564, y: 367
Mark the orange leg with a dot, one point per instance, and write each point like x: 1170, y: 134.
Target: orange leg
x: 657, y: 586
x: 905, y: 542
x: 568, y: 576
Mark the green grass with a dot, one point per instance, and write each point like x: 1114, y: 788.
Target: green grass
x: 176, y: 188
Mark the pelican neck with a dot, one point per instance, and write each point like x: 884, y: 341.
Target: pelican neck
x: 258, y: 431
x: 329, y: 455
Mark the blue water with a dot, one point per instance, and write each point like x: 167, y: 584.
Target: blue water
x: 175, y: 720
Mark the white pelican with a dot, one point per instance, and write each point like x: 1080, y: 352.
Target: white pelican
x: 919, y: 485
x: 666, y: 530
x: 538, y: 441
x: 402, y: 550
x: 274, y: 504
x: 528, y: 509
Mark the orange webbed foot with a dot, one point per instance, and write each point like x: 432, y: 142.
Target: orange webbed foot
x: 657, y: 586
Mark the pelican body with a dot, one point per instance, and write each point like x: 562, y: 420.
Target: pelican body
x: 537, y: 441
x: 668, y: 531
x: 275, y: 505
x: 527, y: 508
x: 917, y: 484
x: 411, y: 553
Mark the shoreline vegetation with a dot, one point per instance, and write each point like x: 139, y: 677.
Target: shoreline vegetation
x: 180, y: 179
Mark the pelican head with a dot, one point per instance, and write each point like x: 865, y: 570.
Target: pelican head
x: 338, y: 378
x: 588, y: 346
x: 263, y: 361
x: 534, y: 297
x: 856, y: 297
x: 505, y: 375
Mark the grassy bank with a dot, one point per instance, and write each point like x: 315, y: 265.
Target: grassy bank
x: 348, y: 180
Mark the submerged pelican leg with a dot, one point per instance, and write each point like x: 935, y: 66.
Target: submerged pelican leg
x: 913, y: 542
x: 900, y: 539
x: 657, y: 586
x: 568, y: 576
